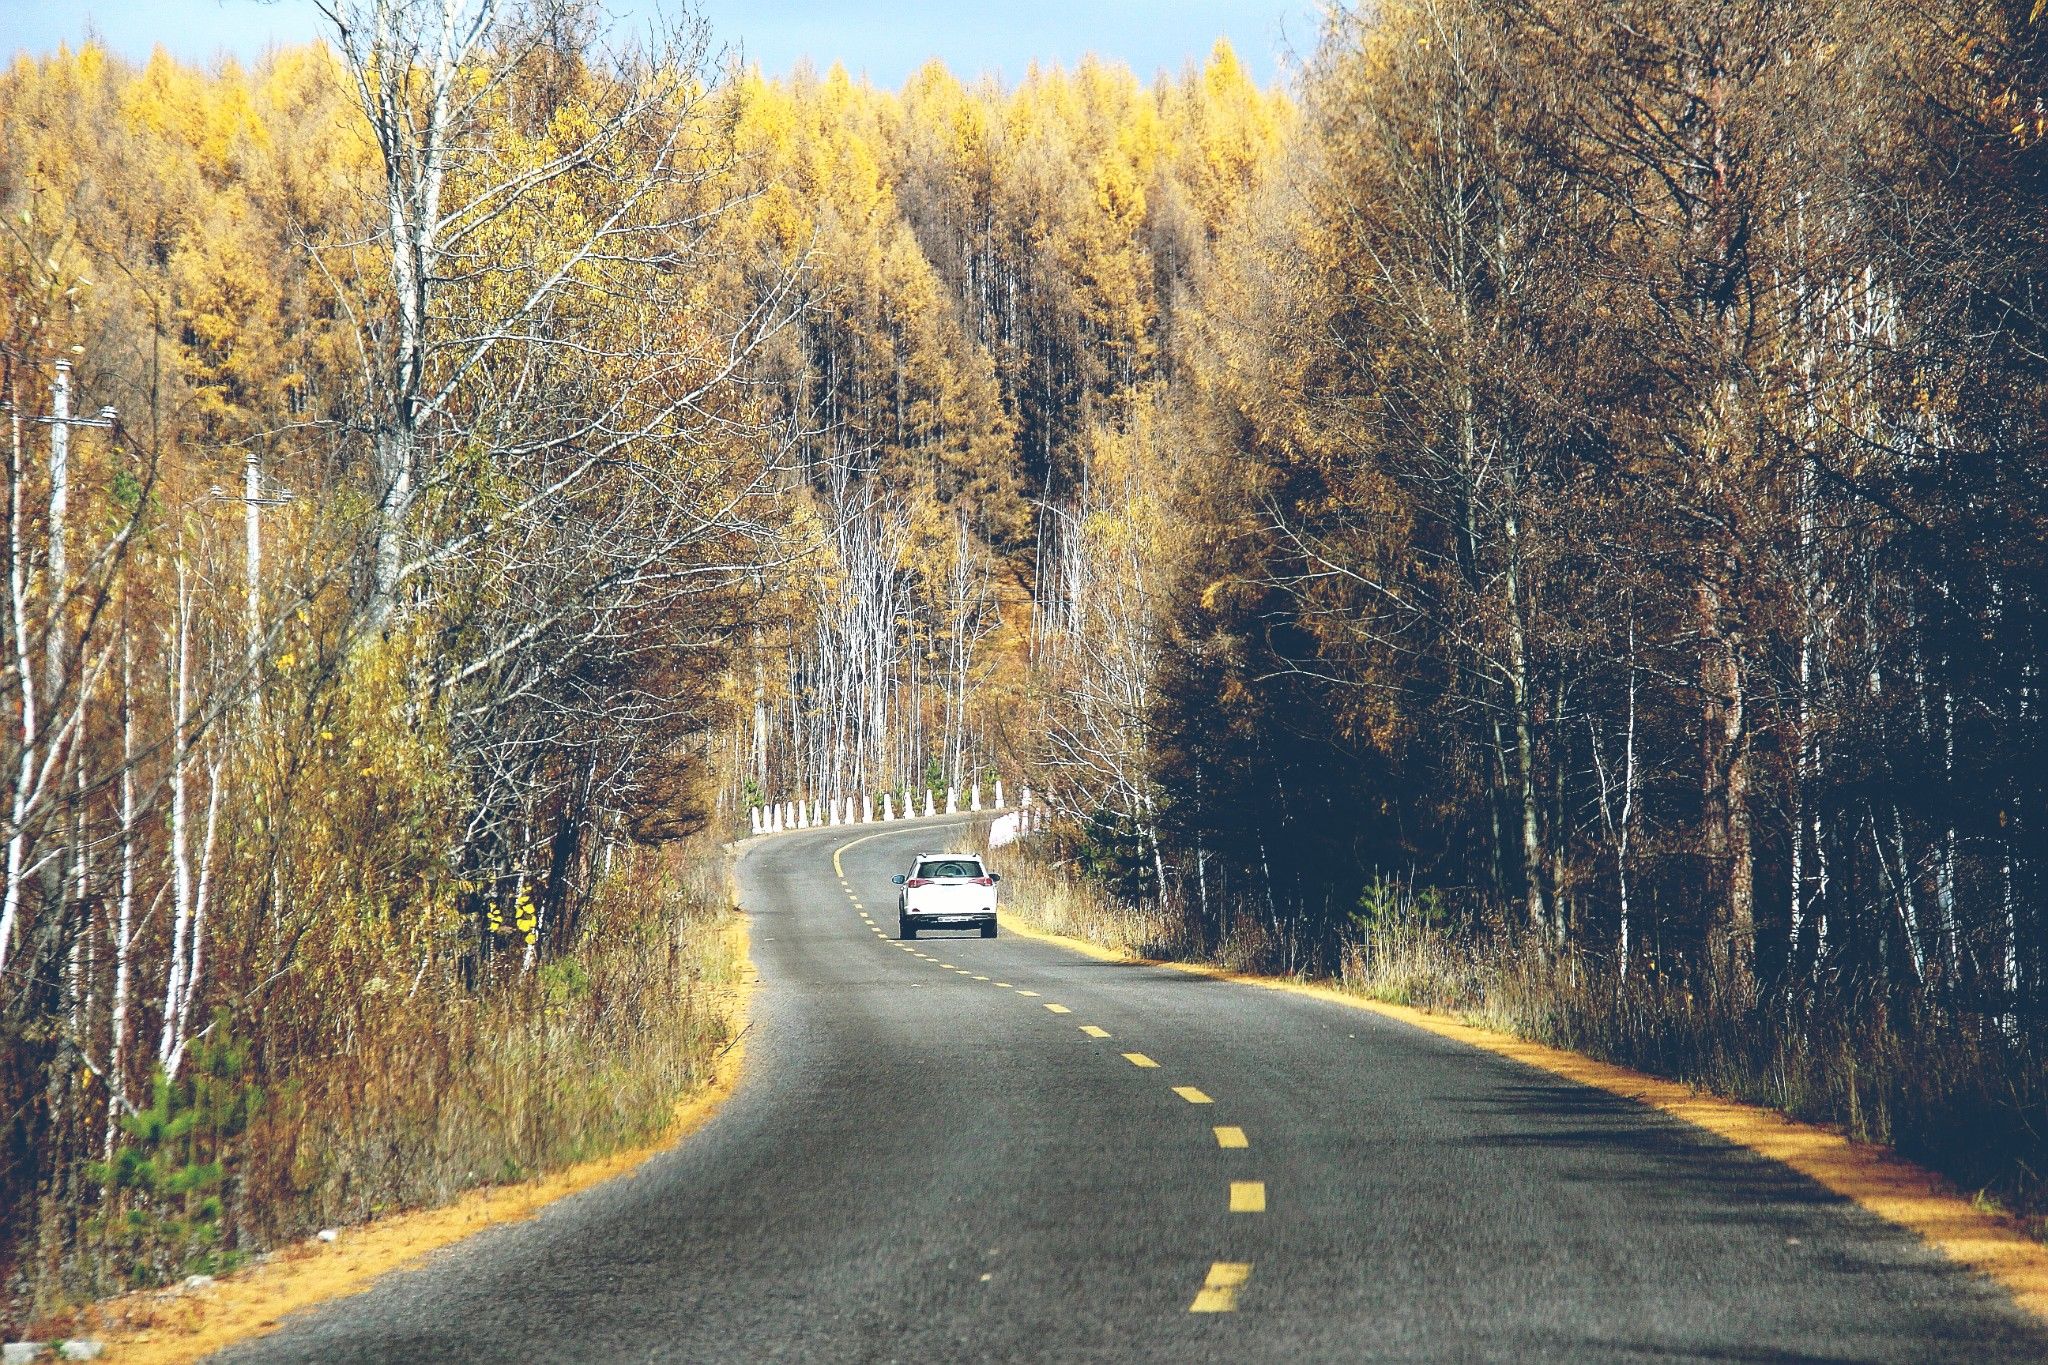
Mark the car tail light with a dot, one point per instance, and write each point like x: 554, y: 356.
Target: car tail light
x: 915, y: 882
x: 984, y: 881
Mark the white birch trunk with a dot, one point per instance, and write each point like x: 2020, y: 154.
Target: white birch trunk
x: 181, y: 859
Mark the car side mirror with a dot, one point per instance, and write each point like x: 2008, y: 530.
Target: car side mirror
x: 898, y: 879
x: 995, y: 876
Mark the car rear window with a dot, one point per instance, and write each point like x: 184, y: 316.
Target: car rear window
x: 949, y: 867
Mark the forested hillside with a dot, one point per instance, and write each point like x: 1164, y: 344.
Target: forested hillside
x: 1545, y: 515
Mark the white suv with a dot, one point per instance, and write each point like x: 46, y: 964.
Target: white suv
x: 946, y: 891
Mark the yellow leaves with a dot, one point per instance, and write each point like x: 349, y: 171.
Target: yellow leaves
x: 525, y: 918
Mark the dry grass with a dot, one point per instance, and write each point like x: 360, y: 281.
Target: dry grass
x: 581, y: 1058
x: 437, y: 1090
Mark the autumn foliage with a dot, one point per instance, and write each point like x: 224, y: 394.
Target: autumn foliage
x: 1544, y: 517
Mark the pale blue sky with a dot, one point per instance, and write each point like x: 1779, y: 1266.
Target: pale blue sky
x: 885, y: 38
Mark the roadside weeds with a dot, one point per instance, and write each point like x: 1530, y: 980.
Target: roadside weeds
x: 177, y: 1325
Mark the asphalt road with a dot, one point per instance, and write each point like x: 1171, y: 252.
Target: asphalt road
x: 921, y: 1164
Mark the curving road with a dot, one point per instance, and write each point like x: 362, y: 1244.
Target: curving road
x: 964, y: 1149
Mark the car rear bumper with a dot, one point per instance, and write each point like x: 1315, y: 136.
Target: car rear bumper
x: 928, y: 920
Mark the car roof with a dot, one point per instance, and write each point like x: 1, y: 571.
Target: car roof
x: 926, y: 857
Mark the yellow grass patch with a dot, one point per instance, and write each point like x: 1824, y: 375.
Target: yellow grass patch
x: 158, y: 1328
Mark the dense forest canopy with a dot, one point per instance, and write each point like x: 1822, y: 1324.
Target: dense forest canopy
x: 1581, y: 462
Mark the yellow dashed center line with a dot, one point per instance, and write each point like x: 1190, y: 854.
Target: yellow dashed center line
x: 1219, y: 1288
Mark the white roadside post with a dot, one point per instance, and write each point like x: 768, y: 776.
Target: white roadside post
x: 753, y: 819
x: 927, y: 803
x: 974, y: 796
x: 888, y: 805
x: 952, y: 800
x: 999, y: 793
x: 867, y: 808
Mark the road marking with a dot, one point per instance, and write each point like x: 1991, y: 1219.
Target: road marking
x: 1059, y: 1009
x: 948, y: 966
x: 1027, y: 992
x: 1219, y: 1289
x: 981, y: 978
x: 1004, y: 984
x: 1231, y: 1136
x: 1247, y: 1196
x: 1192, y: 1095
x: 1094, y: 1032
x: 1139, y: 1059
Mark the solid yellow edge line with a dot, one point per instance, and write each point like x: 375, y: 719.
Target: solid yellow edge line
x: 251, y: 1304
x: 1885, y: 1185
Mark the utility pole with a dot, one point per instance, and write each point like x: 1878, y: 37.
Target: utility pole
x: 760, y: 698
x: 60, y: 421
x: 252, y: 553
